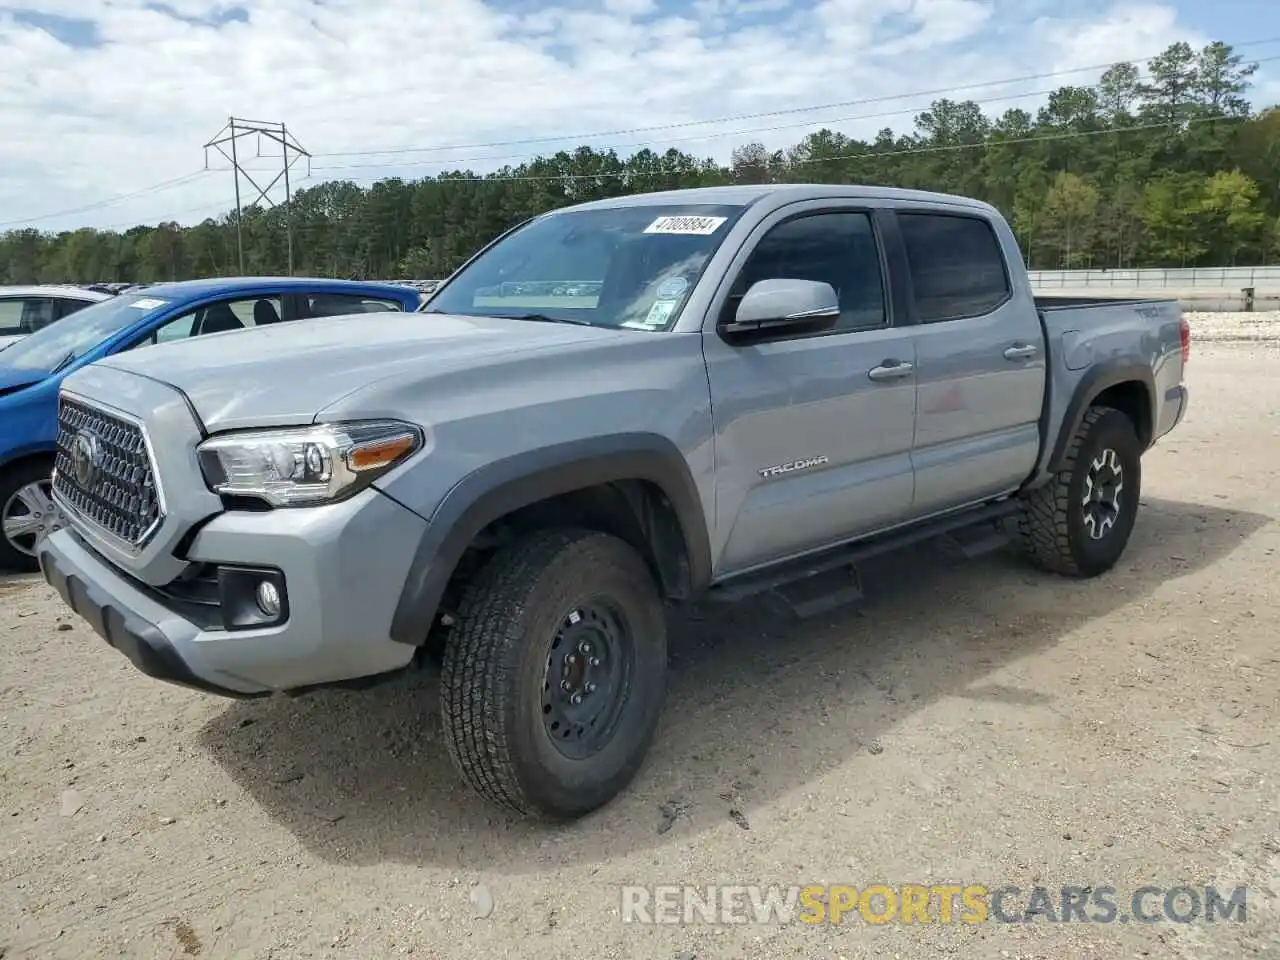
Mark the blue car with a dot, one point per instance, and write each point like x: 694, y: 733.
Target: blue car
x: 33, y: 368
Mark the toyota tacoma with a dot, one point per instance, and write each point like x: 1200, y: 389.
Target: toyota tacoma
x: 612, y: 407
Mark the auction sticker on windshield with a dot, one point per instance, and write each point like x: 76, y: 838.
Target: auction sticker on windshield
x: 686, y: 226
x: 147, y: 303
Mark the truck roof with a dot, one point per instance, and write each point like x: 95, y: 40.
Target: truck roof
x: 183, y: 289
x: 748, y: 194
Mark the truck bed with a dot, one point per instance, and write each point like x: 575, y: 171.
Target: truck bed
x: 1098, y: 337
x: 1064, y: 303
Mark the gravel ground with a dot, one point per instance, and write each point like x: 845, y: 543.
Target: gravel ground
x: 973, y: 723
x: 1262, y: 328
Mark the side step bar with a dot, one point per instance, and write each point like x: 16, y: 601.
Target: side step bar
x: 826, y: 581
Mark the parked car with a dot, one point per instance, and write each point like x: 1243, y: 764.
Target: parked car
x: 32, y: 369
x: 24, y: 310
x: 774, y: 385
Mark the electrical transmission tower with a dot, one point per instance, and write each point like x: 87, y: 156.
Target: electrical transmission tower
x: 290, y: 153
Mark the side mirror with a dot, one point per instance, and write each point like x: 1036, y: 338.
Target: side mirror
x: 784, y: 305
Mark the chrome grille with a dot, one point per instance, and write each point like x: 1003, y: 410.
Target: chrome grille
x: 103, y: 471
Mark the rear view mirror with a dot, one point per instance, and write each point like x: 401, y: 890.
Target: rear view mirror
x: 777, y: 305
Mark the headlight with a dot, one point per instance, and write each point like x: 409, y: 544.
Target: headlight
x: 306, y: 465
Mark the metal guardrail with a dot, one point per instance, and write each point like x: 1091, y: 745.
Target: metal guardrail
x: 1237, y: 278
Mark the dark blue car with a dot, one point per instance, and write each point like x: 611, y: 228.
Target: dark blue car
x: 33, y: 368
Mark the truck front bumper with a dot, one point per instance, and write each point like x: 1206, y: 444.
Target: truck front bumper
x: 342, y: 568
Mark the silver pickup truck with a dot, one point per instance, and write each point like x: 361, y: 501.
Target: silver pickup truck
x: 636, y: 401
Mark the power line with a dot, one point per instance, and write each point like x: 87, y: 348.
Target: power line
x: 203, y: 208
x: 764, y: 114
x: 144, y: 191
x: 189, y: 177
x: 862, y: 155
x: 665, y: 141
x: 725, y: 134
x: 986, y: 144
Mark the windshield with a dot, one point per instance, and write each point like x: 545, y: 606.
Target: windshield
x: 54, y: 347
x: 614, y: 267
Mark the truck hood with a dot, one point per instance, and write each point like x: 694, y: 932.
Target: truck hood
x: 10, y: 340
x: 285, y: 374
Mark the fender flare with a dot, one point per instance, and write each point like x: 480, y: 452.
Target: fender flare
x: 1103, y: 376
x: 506, y: 485
x: 26, y: 452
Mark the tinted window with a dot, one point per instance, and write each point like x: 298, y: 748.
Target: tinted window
x: 338, y: 304
x: 68, y: 307
x: 610, y: 267
x: 957, y: 268
x: 835, y: 248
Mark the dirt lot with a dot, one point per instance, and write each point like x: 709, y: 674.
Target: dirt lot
x: 974, y: 723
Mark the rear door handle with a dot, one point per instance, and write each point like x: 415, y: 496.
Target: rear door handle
x: 891, y: 370
x: 1021, y: 351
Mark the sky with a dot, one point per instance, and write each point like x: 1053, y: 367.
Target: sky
x: 105, y: 105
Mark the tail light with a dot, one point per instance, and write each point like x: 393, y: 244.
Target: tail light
x: 1185, y: 332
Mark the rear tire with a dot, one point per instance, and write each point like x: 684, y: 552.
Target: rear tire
x: 554, y: 675
x: 1079, y: 523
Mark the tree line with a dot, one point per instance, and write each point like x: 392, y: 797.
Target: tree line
x: 1170, y: 166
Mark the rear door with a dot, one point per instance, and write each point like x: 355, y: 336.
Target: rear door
x: 813, y: 438
x: 980, y: 361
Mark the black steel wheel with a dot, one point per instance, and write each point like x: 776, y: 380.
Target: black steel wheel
x: 588, y: 678
x: 554, y: 675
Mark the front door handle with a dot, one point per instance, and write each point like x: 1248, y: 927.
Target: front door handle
x: 891, y: 370
x: 1021, y: 351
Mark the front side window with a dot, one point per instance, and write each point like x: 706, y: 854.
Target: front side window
x: 20, y: 316
x: 957, y: 267
x: 835, y: 248
x: 240, y: 314
x: 628, y: 267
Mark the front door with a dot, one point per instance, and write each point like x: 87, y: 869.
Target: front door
x: 812, y: 435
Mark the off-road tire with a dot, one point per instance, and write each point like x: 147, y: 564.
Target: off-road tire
x: 492, y: 676
x: 1051, y: 526
x: 13, y: 479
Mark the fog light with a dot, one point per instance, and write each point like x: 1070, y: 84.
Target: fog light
x: 268, y: 596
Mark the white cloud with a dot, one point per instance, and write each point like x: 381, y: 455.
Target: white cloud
x: 1128, y: 31
x: 84, y: 124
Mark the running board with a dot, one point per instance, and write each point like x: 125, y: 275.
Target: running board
x: 825, y: 581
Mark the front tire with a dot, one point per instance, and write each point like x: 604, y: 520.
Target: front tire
x: 554, y: 675
x: 1079, y: 523
x: 27, y: 513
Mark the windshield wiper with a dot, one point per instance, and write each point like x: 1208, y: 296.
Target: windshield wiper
x: 65, y: 362
x: 546, y: 318
x: 532, y: 317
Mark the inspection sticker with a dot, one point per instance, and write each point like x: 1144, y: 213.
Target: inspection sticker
x: 672, y: 288
x: 686, y: 226
x: 660, y: 313
x: 147, y: 303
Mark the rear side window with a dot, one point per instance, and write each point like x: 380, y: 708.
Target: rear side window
x: 339, y: 304
x: 957, y: 268
x: 68, y: 307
